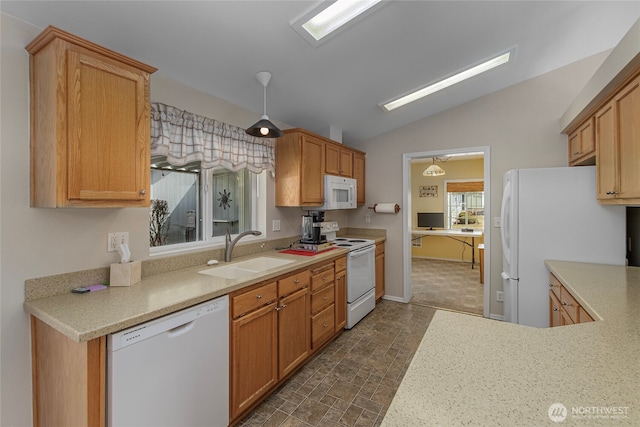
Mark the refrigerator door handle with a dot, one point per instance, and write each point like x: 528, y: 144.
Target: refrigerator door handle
x: 505, y: 221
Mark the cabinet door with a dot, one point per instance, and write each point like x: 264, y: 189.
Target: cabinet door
x: 332, y: 159
x: 346, y: 163
x: 254, y: 361
x: 108, y: 130
x: 358, y: 174
x: 606, y: 153
x: 312, y: 171
x: 554, y: 310
x: 293, y: 331
x: 582, y: 144
x: 628, y: 139
x: 340, y: 300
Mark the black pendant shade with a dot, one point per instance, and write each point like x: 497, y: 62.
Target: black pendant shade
x: 264, y: 128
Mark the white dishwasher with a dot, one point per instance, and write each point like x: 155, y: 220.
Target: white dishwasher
x: 171, y: 371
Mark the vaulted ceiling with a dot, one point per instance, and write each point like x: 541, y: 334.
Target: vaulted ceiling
x: 218, y: 46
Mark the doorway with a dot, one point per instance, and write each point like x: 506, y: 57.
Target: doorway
x: 462, y: 219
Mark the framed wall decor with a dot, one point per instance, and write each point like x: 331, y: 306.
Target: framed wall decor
x: 428, y: 191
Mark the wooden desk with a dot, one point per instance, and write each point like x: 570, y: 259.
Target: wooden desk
x: 419, y: 233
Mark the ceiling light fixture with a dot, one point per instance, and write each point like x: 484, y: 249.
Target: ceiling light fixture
x: 322, y: 21
x: 264, y: 128
x: 449, y: 81
x: 433, y: 170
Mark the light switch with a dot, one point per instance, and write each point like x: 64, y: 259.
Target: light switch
x: 275, y: 225
x: 497, y: 222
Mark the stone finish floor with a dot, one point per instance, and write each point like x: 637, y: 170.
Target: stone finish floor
x: 352, y: 381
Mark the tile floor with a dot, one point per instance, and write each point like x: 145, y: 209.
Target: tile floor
x: 352, y: 381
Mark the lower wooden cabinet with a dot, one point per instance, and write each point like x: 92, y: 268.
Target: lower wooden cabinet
x: 277, y: 326
x: 340, y: 297
x: 379, y: 270
x: 69, y: 378
x: 563, y: 307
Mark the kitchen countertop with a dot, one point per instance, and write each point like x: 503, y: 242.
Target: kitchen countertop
x: 83, y: 317
x: 470, y: 370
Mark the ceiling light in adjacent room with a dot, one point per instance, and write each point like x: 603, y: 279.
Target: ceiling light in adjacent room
x: 449, y: 81
x: 433, y: 170
x: 322, y: 21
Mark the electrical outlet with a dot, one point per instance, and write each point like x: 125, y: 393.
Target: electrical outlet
x: 497, y: 222
x: 275, y: 225
x: 500, y: 295
x: 367, y: 218
x: 116, y: 239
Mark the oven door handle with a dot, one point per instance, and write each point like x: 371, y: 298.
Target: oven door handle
x: 362, y: 251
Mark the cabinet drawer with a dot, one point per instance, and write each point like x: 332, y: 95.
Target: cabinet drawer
x: 340, y: 264
x: 322, y: 326
x: 569, y: 304
x: 250, y: 300
x: 321, y: 280
x: 555, y: 285
x: 292, y: 283
x: 322, y: 299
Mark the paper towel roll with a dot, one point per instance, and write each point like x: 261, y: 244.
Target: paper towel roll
x: 386, y: 208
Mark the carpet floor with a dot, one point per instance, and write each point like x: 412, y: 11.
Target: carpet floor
x: 448, y: 285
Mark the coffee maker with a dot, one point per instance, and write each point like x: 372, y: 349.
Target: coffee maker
x: 311, y: 232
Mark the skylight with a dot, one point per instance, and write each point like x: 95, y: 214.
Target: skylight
x: 449, y: 81
x: 323, y: 21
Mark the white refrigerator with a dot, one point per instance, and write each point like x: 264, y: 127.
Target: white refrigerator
x: 552, y: 213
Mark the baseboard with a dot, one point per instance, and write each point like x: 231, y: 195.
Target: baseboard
x: 496, y: 317
x: 392, y: 298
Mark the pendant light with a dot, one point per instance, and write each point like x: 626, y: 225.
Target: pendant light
x: 264, y: 128
x: 433, y: 170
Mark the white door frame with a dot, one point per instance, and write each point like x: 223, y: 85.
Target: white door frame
x: 406, y: 218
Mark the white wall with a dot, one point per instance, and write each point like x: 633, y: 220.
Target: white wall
x: 520, y: 124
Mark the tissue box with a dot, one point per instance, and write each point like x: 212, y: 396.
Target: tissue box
x: 125, y: 274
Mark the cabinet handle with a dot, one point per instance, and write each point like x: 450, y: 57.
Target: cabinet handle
x: 296, y: 281
x: 283, y: 306
x: 566, y: 304
x: 577, y: 152
x: 555, y: 309
x: 612, y: 192
x: 325, y: 278
x: 143, y: 192
x: 259, y: 296
x: 324, y: 298
x: 325, y: 325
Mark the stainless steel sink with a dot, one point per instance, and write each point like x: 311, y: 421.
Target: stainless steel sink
x: 244, y: 269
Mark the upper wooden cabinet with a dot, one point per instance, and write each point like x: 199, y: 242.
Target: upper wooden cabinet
x: 299, y: 170
x: 582, y: 146
x: 338, y: 160
x: 359, y: 175
x: 618, y: 147
x: 89, y: 124
x: 302, y: 160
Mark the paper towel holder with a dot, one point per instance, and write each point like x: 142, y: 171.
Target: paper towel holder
x: 376, y: 206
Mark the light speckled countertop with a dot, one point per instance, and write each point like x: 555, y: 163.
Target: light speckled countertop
x: 474, y: 371
x: 83, y: 317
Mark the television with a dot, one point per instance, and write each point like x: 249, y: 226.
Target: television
x: 430, y: 220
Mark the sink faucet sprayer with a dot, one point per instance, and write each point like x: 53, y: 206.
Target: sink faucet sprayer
x: 229, y: 244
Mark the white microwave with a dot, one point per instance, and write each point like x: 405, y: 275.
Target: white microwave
x: 339, y: 193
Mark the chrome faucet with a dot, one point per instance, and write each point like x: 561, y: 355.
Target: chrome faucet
x: 229, y: 244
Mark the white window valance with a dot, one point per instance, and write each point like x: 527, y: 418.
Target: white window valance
x: 183, y: 137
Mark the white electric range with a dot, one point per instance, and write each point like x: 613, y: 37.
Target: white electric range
x: 361, y: 277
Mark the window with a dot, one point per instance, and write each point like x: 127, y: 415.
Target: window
x: 465, y: 204
x: 194, y: 207
x: 206, y: 179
